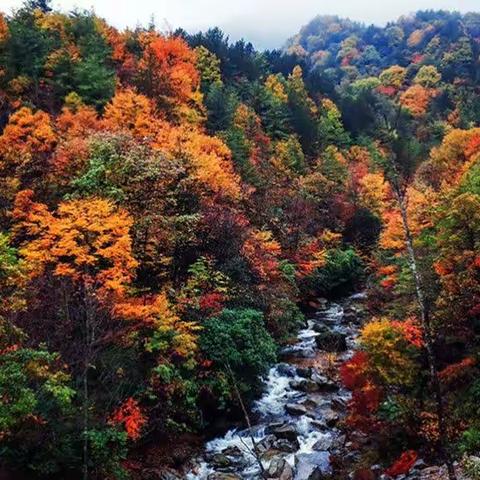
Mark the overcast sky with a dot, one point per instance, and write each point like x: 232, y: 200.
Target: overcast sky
x: 266, y: 23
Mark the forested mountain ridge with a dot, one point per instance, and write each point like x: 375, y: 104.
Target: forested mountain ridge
x: 172, y: 204
x: 339, y: 52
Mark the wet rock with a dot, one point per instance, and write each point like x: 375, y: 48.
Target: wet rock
x: 324, y: 443
x: 295, y: 409
x: 331, y: 418
x: 233, y: 451
x: 339, y: 442
x: 286, y: 446
x: 286, y: 431
x: 331, y: 340
x: 307, y: 386
x: 266, y: 443
x: 279, y: 469
x: 339, y: 404
x: 267, y: 456
x: 286, y: 369
x: 309, y: 403
x: 419, y: 464
x: 304, y: 372
x: 312, y: 466
x: 273, y: 426
x: 322, y: 303
x: 223, y: 476
x: 319, y: 424
x: 324, y: 384
x: 350, y: 316
x: 431, y: 472
x: 219, y: 460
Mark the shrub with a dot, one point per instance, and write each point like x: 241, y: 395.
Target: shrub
x: 470, y: 441
x: 237, y: 342
x: 342, y: 271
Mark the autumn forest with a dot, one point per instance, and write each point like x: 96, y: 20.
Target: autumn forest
x: 176, y: 207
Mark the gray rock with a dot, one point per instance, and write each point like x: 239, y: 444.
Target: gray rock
x: 286, y: 369
x: 319, y: 424
x: 279, y: 469
x: 324, y: 384
x: 223, y: 476
x: 322, y: 303
x: 419, y: 464
x: 307, y: 386
x: 219, y: 460
x: 310, y: 403
x: 339, y: 442
x: 233, y: 451
x: 312, y: 466
x: 339, y: 404
x: 286, y: 431
x: 286, y: 446
x: 295, y: 409
x: 331, y: 418
x: 331, y: 340
x: 266, y: 443
x: 269, y: 454
x: 323, y: 444
x: 350, y: 316
x: 304, y: 372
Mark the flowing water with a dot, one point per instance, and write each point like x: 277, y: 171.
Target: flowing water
x: 295, y: 431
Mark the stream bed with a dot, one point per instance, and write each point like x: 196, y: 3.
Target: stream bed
x: 295, y: 432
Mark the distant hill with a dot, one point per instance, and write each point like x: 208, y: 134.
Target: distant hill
x: 342, y: 49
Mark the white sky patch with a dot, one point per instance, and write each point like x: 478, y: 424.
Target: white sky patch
x: 266, y: 23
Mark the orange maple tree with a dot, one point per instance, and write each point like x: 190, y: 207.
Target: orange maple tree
x: 86, y: 240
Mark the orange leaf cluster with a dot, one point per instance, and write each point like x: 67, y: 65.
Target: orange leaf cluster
x: 411, y: 331
x: 130, y: 415
x: 86, y: 240
x: 263, y: 252
x: 131, y: 111
x: 403, y: 464
x: 417, y: 99
x: 27, y: 134
x: 455, y: 373
x: 168, y: 67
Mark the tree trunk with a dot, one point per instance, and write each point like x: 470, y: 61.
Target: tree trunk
x: 89, y: 315
x: 85, y: 422
x: 425, y: 322
x: 255, y: 451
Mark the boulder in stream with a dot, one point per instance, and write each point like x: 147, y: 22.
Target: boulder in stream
x: 285, y: 431
x: 307, y: 386
x: 312, y: 466
x: 324, y: 384
x: 232, y: 451
x: 279, y: 469
x: 304, y: 372
x: 339, y: 404
x: 295, y: 409
x: 286, y: 446
x: 286, y: 369
x: 221, y: 461
x: 331, y: 340
x: 331, y: 418
x: 223, y: 476
x: 324, y: 443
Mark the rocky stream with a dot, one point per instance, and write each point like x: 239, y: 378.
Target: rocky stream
x: 295, y: 431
